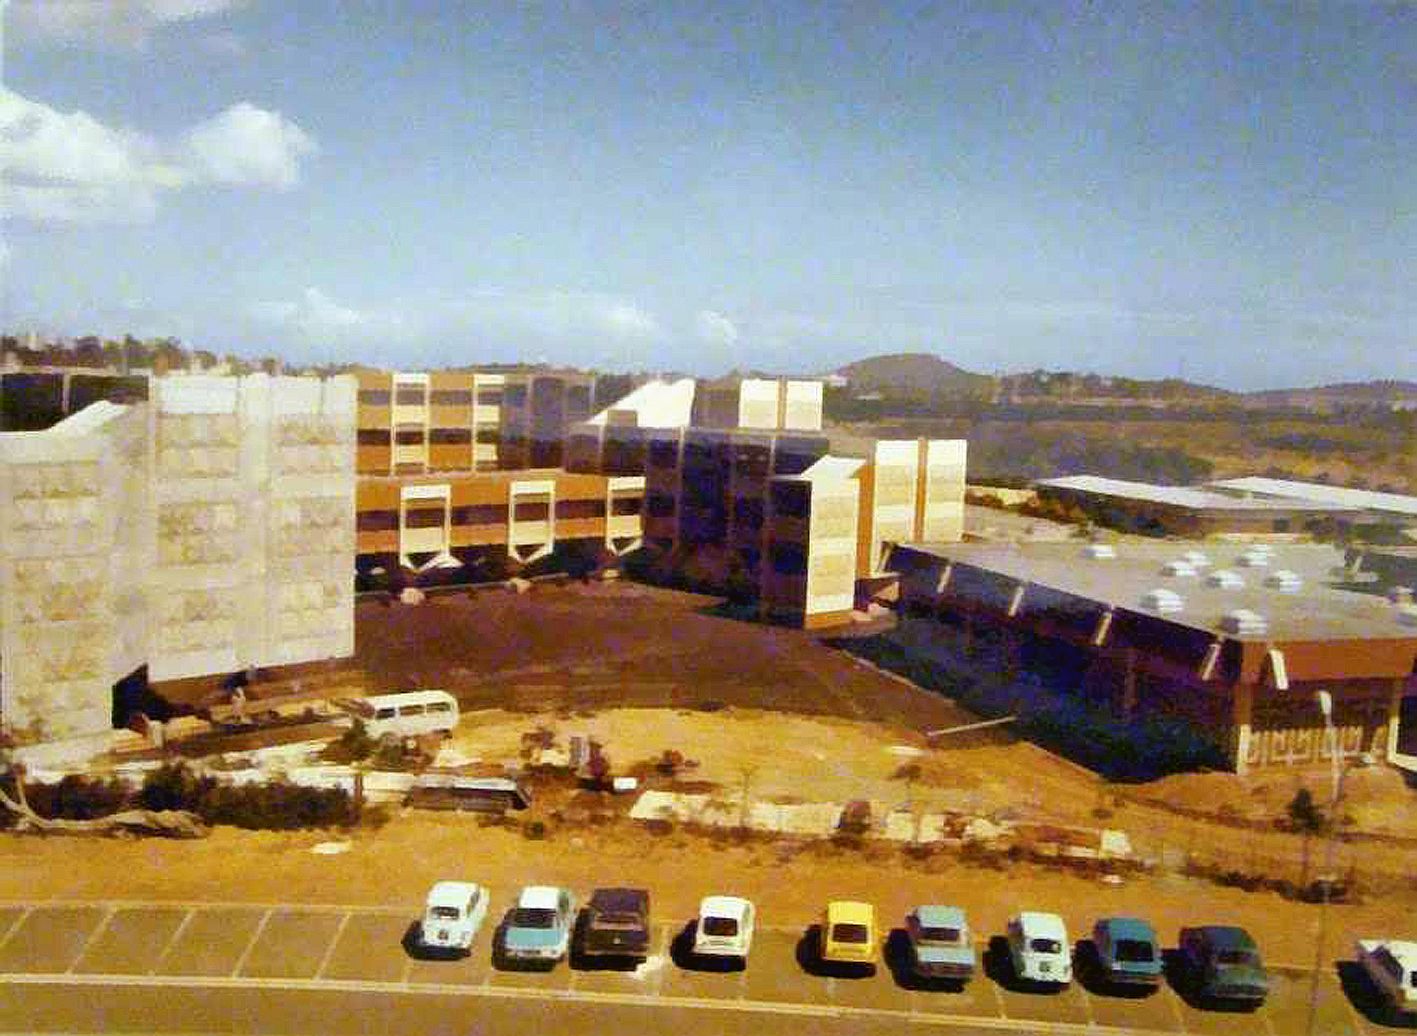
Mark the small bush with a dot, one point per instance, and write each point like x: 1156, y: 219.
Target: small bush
x: 275, y: 806
x: 534, y: 830
x: 77, y: 798
x: 352, y: 746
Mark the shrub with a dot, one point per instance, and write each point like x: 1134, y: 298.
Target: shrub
x: 77, y: 798
x: 351, y: 746
x: 275, y: 806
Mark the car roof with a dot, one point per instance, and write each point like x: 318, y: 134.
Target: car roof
x: 850, y: 911
x: 1037, y: 923
x: 1227, y: 937
x: 1403, y: 951
x: 539, y: 897
x: 618, y: 899
x: 935, y: 916
x: 452, y: 893
x: 1128, y: 928
x: 723, y: 906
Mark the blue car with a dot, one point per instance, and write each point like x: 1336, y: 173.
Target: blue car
x: 539, y: 930
x: 1127, y: 952
x: 940, y: 944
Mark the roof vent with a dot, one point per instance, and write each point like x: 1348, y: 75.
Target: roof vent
x: 1226, y: 579
x: 1162, y: 600
x: 1244, y: 622
x: 1197, y: 558
x: 1178, y: 568
x: 1285, y: 581
x: 1099, y: 551
x: 1253, y: 558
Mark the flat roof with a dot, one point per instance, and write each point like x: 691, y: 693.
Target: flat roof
x: 1319, y: 610
x: 1318, y: 493
x: 1190, y: 498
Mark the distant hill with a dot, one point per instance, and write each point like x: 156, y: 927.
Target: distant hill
x: 1340, y: 393
x: 915, y: 375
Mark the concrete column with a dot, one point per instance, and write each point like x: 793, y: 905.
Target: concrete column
x: 1241, y: 718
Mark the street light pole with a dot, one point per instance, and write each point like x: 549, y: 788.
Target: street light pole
x: 1325, y: 701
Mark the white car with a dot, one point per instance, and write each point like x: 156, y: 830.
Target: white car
x: 724, y: 927
x: 1039, y: 948
x: 454, y: 913
x: 1391, y: 965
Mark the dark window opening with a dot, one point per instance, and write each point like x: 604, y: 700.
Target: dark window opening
x: 424, y: 518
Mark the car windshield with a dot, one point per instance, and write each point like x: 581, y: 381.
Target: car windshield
x: 1045, y: 946
x: 533, y: 917
x: 1237, y: 957
x: 446, y: 913
x: 850, y: 933
x: 720, y: 926
x: 618, y: 920
x: 1135, y: 950
x: 950, y: 935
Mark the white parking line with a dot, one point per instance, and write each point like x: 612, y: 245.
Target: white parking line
x: 999, y: 999
x: 1268, y: 1025
x: 1087, y: 1005
x: 1174, y: 999
x: 664, y: 963
x: 251, y: 945
x: 98, y: 930
x: 1359, y: 1024
x: 172, y: 940
x: 15, y: 926
x: 543, y: 996
x: 330, y: 949
x: 407, y: 972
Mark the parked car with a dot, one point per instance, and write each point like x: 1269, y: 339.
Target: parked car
x: 540, y: 926
x: 404, y: 714
x: 1222, y: 962
x: 1039, y: 948
x: 617, y: 924
x: 724, y: 927
x: 1391, y: 966
x: 1127, y: 951
x: 452, y: 916
x: 848, y: 934
x: 940, y: 943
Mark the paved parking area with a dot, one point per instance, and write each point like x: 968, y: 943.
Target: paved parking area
x: 315, y: 945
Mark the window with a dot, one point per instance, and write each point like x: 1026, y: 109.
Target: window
x: 489, y: 397
x: 450, y: 436
x: 624, y: 506
x: 446, y: 913
x: 1236, y: 957
x: 374, y: 397
x: 791, y: 500
x: 946, y: 935
x: 412, y: 710
x: 1135, y: 950
x: 533, y: 917
x: 571, y: 509
x: 452, y: 397
x: 373, y: 437
x: 424, y: 518
x: 850, y: 933
x: 660, y: 505
x: 533, y: 510
x: 376, y: 521
x: 409, y: 437
x: 488, y: 435
x: 480, y: 514
x: 407, y: 396
x: 664, y: 453
x: 725, y: 926
x: 515, y: 395
x: 1045, y: 946
x: 387, y: 712
x: 789, y: 559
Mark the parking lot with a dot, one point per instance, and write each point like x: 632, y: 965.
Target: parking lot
x: 364, y: 948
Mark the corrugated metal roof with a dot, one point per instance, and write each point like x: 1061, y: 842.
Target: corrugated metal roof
x: 1194, y: 499
x: 1339, y: 497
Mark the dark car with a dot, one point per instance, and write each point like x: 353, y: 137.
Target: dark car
x: 616, y: 924
x: 1222, y: 963
x: 1126, y: 952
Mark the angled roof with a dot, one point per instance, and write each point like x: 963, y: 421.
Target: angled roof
x: 1193, y: 499
x: 723, y: 906
x: 1228, y: 937
x: 1037, y: 924
x: 619, y: 900
x: 1318, y: 493
x: 1129, y: 928
x: 452, y: 893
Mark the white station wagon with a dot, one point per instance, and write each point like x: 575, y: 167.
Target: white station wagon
x: 454, y: 913
x: 1039, y: 948
x: 724, y: 928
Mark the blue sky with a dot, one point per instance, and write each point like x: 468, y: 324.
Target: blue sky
x: 1224, y: 192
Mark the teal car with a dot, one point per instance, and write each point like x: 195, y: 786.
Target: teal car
x: 1127, y: 952
x: 1221, y: 963
x: 941, y: 946
x: 539, y: 929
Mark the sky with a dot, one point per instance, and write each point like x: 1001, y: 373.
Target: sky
x: 1225, y: 193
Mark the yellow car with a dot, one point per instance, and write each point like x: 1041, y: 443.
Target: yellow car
x: 849, y: 934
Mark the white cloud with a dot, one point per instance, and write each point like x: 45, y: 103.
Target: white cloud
x: 249, y: 146
x: 68, y: 167
x: 316, y: 319
x: 112, y: 23
x: 713, y: 328
x: 553, y: 316
x: 5, y: 254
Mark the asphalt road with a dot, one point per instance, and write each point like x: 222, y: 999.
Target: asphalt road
x: 218, y: 968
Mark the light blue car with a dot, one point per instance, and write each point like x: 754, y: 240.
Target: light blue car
x: 940, y: 943
x: 539, y: 931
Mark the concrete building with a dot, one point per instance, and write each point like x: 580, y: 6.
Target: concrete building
x: 208, y: 530
x: 1188, y: 512
x: 1358, y: 512
x: 1234, y: 640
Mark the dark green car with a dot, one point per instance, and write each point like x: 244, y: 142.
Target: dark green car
x: 1222, y: 963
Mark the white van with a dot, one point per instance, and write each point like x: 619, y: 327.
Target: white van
x: 1038, y: 944
x: 408, y: 714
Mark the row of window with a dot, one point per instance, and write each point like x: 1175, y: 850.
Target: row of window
x: 494, y: 514
x: 487, y: 434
